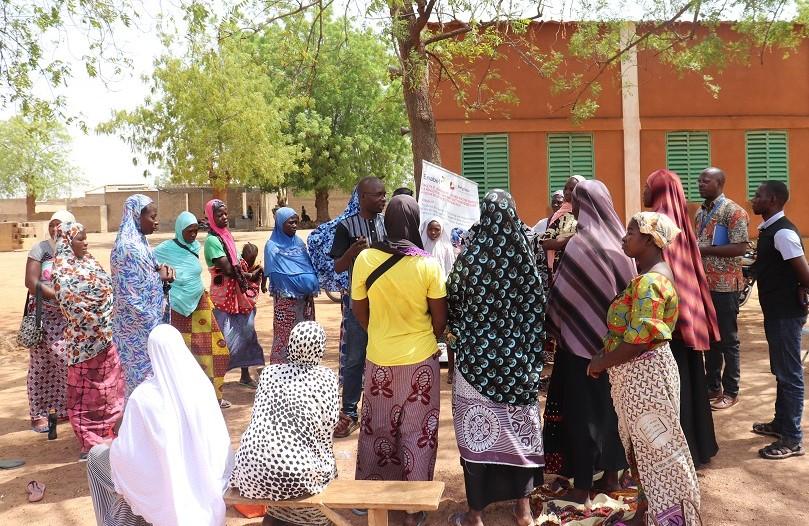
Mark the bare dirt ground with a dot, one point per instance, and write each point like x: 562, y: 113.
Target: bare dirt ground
x: 737, y: 487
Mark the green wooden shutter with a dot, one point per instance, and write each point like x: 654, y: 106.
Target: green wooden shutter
x: 767, y: 158
x: 569, y: 154
x: 688, y: 154
x: 484, y: 159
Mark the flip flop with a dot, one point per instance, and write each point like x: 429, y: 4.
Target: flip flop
x: 39, y: 425
x: 11, y: 463
x: 251, y: 384
x: 224, y: 404
x: 36, y: 491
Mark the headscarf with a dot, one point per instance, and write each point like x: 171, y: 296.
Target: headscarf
x: 659, y: 226
x: 594, y: 271
x: 286, y: 261
x: 223, y: 233
x: 696, y: 325
x: 320, y: 241
x: 187, y: 288
x: 138, y: 291
x: 497, y: 307
x: 84, y: 292
x: 442, y: 248
x: 172, y: 458
x: 63, y: 216
x: 402, y: 228
x: 307, y: 390
x: 560, y: 193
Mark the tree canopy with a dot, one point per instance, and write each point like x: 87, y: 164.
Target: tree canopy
x: 350, y: 114
x: 213, y: 117
x: 34, y: 158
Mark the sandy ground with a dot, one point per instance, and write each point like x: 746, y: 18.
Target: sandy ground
x: 737, y: 487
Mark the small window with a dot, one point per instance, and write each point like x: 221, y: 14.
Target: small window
x: 767, y: 158
x: 569, y: 154
x: 484, y: 159
x: 688, y: 153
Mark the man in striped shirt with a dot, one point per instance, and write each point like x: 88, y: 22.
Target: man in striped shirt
x: 352, y: 235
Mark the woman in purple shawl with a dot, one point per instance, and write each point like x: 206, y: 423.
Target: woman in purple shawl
x: 581, y: 427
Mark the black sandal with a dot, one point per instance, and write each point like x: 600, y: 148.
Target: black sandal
x: 779, y: 450
x: 766, y: 429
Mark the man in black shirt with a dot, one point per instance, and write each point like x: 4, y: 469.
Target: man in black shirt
x: 783, y: 278
x: 351, y: 236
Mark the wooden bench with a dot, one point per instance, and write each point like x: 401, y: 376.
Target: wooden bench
x: 377, y: 496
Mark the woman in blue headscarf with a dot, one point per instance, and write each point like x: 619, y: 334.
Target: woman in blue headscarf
x: 191, y: 306
x: 138, y: 290
x: 293, y: 280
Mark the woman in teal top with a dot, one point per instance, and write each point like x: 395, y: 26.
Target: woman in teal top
x: 191, y: 306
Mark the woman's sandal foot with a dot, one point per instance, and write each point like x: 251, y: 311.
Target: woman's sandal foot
x: 248, y: 383
x: 224, y: 404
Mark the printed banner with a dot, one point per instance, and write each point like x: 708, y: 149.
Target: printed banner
x: 449, y: 196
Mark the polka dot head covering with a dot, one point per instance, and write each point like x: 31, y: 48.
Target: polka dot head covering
x: 307, y: 344
x: 659, y: 226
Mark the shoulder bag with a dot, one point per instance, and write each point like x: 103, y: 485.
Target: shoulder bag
x: 30, y: 333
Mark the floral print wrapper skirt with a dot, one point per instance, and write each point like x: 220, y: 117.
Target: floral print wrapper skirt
x: 399, y: 423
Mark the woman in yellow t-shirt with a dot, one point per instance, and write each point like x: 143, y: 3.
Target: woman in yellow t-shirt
x: 404, y: 310
x: 644, y: 378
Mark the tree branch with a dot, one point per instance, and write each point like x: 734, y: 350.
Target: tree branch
x: 466, y: 28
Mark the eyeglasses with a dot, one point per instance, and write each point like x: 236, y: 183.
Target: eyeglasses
x: 377, y: 194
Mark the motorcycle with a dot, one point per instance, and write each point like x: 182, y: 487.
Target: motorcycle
x: 749, y: 279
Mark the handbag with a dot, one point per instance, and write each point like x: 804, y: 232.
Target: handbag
x: 30, y: 333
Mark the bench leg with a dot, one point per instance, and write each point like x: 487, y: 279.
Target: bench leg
x: 377, y: 517
x: 334, y: 516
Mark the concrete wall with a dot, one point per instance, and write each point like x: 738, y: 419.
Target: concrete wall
x: 772, y: 95
x: 94, y: 218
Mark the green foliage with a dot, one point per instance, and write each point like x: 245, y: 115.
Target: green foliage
x: 349, y: 113
x: 213, y: 117
x: 26, y: 24
x: 34, y: 158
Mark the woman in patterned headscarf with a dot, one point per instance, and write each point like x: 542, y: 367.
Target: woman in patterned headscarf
x: 496, y: 324
x: 696, y: 325
x: 47, y: 368
x: 295, y: 411
x: 643, y: 376
x: 95, y: 383
x: 319, y: 243
x: 137, y: 279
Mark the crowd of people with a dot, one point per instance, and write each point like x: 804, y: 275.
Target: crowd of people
x: 639, y: 323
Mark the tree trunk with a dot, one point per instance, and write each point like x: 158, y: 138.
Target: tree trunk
x: 416, y: 87
x: 322, y: 205
x: 30, y: 206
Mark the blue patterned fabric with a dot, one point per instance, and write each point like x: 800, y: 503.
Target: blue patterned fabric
x: 319, y: 243
x: 138, y: 293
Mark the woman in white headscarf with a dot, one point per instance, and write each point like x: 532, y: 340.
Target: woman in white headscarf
x: 295, y: 411
x: 47, y: 371
x: 171, y: 461
x: 438, y: 243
